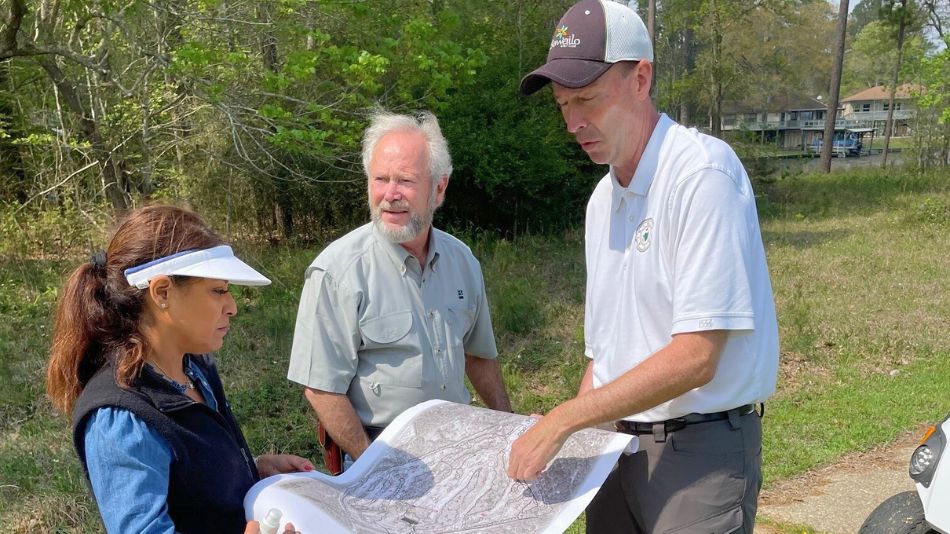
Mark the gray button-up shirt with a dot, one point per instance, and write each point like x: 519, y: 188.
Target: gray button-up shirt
x: 374, y: 325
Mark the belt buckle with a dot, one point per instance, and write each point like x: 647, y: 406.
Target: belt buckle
x: 659, y: 432
x: 630, y: 427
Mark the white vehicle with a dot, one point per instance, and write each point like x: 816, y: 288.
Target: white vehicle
x: 926, y: 510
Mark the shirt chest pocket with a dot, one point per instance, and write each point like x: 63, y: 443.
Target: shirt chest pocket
x: 391, y: 352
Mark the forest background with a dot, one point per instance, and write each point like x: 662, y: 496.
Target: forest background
x: 252, y: 112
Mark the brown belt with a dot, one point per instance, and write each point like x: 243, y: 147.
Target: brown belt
x: 332, y: 453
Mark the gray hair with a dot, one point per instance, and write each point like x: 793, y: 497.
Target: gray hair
x: 424, y: 122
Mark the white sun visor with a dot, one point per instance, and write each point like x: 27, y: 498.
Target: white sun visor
x: 219, y: 263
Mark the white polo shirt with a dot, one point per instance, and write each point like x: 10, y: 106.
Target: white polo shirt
x: 679, y: 250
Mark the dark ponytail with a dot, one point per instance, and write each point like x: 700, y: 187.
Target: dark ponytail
x: 98, y: 314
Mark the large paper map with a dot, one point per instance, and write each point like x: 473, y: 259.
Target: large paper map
x: 439, y: 468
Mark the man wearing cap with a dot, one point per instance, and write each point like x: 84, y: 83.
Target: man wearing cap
x: 679, y: 319
x: 395, y: 312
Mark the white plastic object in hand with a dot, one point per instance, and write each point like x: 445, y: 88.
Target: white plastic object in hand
x: 271, y: 521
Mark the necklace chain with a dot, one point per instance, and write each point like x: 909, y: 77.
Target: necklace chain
x: 189, y: 385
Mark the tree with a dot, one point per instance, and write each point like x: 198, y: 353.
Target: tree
x: 677, y: 46
x: 932, y: 135
x: 835, y: 88
x: 730, y: 66
x: 12, y: 175
x: 765, y: 59
x: 900, y: 15
x: 870, y: 59
x: 864, y: 13
x: 937, y: 13
x: 180, y: 99
x: 43, y: 47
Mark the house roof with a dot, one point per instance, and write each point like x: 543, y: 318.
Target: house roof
x: 880, y: 92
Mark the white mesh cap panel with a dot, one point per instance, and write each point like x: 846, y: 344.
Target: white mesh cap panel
x: 627, y: 36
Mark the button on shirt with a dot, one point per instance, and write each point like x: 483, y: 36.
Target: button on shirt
x: 680, y: 250
x: 375, y: 325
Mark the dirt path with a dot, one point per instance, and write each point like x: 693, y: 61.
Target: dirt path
x: 836, y: 499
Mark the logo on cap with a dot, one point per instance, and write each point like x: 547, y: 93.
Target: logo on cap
x: 563, y: 40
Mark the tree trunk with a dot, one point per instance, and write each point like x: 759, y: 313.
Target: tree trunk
x: 944, y: 155
x: 834, y: 90
x: 689, y: 64
x: 889, y: 125
x: 283, y: 198
x: 651, y: 25
x: 146, y: 187
x: 932, y: 8
x: 111, y: 174
x: 651, y: 22
x: 715, y: 112
x: 12, y: 173
x: 169, y: 37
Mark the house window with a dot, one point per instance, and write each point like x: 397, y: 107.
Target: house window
x: 887, y: 106
x: 897, y: 106
x: 866, y: 107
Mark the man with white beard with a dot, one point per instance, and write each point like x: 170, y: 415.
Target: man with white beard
x: 394, y: 313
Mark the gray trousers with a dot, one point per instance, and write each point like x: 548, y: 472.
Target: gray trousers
x: 702, y: 479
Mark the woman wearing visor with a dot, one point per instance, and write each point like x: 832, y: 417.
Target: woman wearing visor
x: 131, y: 362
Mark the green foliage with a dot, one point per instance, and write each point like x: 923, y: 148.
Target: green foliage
x: 901, y: 15
x: 931, y: 211
x: 257, y: 110
x: 854, y: 411
x: 932, y: 131
x: 864, y: 13
x: 49, y: 233
x: 516, y: 306
x: 527, y: 173
x: 872, y: 56
x: 869, y: 190
x: 935, y: 74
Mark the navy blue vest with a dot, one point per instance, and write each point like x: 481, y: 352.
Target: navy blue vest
x: 212, y: 467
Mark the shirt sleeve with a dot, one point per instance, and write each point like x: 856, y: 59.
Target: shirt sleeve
x: 128, y: 466
x: 480, y: 339
x: 324, y: 354
x: 712, y: 250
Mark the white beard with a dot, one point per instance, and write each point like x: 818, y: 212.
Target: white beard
x: 418, y: 222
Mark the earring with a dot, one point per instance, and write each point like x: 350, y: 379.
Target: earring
x: 163, y: 305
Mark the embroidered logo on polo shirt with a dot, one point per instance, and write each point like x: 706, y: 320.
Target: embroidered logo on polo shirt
x: 461, y: 294
x: 644, y: 234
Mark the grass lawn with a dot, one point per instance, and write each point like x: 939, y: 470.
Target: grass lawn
x: 861, y: 273
x: 902, y: 143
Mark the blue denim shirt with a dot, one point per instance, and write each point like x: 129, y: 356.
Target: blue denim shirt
x: 129, y: 464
